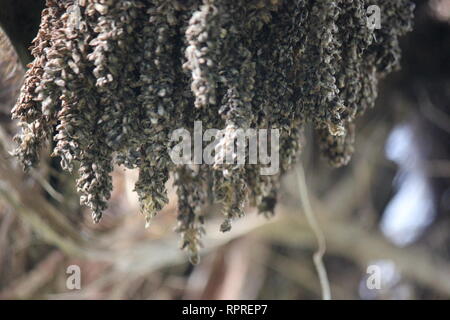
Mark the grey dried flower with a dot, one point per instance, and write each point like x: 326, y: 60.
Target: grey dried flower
x: 112, y: 79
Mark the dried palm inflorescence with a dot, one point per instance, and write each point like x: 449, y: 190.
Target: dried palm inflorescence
x: 112, y: 79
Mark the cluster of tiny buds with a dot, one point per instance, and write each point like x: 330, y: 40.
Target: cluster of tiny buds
x: 111, y: 80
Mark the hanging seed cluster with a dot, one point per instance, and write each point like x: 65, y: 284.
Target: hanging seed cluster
x: 112, y: 79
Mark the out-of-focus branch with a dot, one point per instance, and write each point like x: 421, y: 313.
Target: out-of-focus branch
x: 318, y: 233
x: 27, y: 285
x: 34, y: 208
x: 348, y: 239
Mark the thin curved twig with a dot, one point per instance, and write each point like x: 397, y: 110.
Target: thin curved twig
x: 315, y: 227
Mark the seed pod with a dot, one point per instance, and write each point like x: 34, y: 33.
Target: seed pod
x: 321, y: 59
x: 396, y: 20
x: 203, y: 36
x: 158, y: 112
x: 338, y: 150
x: 35, y: 98
x: 191, y: 198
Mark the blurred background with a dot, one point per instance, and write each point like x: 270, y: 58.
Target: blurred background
x: 389, y: 208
